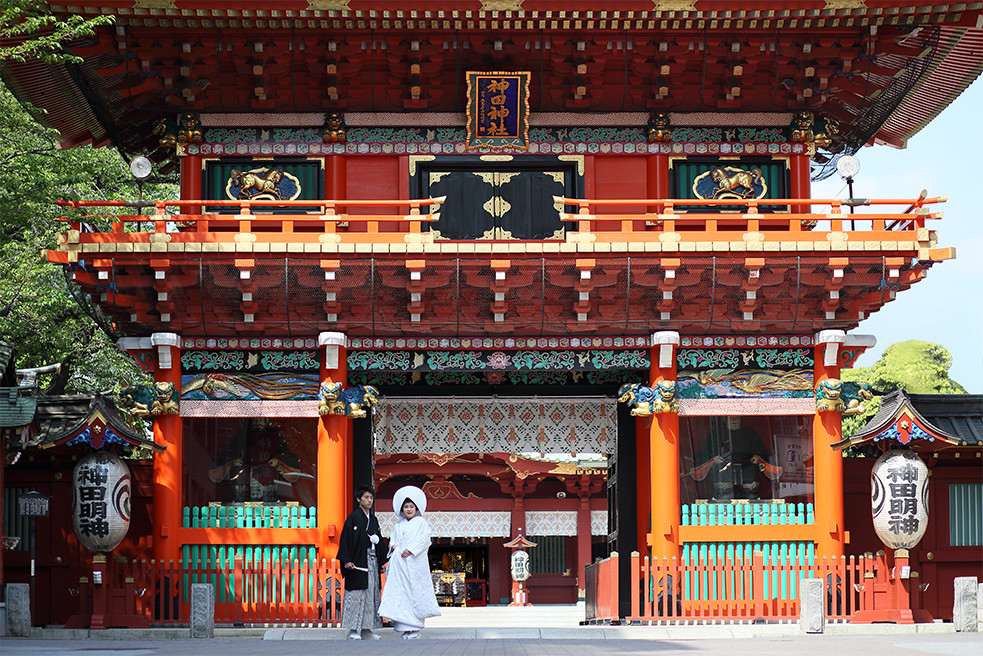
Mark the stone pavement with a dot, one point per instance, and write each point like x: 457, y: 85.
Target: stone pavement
x: 556, y: 629
x: 950, y: 644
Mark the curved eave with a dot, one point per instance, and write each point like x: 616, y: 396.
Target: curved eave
x: 898, y: 406
x: 66, y: 108
x: 251, y: 13
x: 959, y: 63
x: 100, y: 413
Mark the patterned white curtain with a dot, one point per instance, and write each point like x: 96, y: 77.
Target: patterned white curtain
x: 563, y: 522
x: 458, y: 524
x: 482, y: 424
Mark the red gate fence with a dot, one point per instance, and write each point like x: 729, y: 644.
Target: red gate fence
x: 739, y: 589
x: 247, y: 591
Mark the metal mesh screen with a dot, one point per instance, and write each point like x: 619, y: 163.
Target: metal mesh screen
x: 290, y: 297
x: 874, y: 113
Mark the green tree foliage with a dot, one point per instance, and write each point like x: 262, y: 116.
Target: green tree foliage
x: 918, y: 367
x: 29, y: 31
x: 42, y: 312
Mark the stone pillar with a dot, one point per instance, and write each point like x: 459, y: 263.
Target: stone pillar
x: 169, y: 464
x: 965, y: 614
x: 19, y: 609
x: 664, y: 454
x: 828, y: 464
x: 332, y: 451
x: 202, y: 610
x: 812, y: 602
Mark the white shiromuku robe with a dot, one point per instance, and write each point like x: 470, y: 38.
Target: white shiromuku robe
x: 408, y: 597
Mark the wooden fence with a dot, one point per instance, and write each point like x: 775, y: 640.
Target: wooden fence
x: 735, y: 587
x: 247, y: 591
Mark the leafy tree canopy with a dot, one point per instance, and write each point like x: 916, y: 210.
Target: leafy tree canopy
x: 42, y: 312
x: 918, y: 367
x: 29, y: 31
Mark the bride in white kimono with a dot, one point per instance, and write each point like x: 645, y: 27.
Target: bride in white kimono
x: 408, y: 598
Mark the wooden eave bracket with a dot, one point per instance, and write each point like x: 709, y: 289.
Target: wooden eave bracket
x: 937, y: 254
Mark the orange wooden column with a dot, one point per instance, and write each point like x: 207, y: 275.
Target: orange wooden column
x: 664, y: 454
x: 168, y: 465
x: 828, y: 464
x: 332, y: 451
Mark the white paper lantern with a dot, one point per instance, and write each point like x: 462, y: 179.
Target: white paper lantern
x: 520, y: 565
x: 101, y: 501
x: 899, y: 499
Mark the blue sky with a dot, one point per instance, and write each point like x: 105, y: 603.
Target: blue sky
x: 947, y: 306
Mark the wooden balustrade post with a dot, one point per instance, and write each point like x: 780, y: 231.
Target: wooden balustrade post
x: 759, y: 584
x: 635, y: 574
x: 238, y: 589
x: 615, y: 587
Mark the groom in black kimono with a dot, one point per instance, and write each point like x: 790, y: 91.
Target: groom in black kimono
x: 362, y: 554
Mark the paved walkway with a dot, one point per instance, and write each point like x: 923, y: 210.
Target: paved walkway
x: 820, y: 645
x: 556, y: 625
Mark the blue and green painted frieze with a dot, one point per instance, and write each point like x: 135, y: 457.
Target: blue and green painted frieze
x: 494, y: 360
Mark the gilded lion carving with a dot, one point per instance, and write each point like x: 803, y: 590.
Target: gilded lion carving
x: 148, y: 401
x: 352, y: 402
x: 828, y: 393
x: 168, y: 399
x: 734, y: 183
x: 646, y: 400
x: 854, y: 395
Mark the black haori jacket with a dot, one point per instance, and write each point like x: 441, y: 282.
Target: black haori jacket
x: 354, y: 545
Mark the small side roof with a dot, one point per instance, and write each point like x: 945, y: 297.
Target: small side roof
x: 928, y: 420
x: 91, y: 419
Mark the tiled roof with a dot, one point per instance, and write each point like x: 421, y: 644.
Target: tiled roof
x: 58, y: 417
x: 956, y: 414
x: 7, y: 375
x: 17, y: 406
x: 955, y: 419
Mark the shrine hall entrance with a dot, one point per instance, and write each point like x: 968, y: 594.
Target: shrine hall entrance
x: 498, y: 198
x: 496, y: 467
x: 460, y: 571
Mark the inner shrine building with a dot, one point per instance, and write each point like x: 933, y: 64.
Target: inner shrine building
x: 557, y: 263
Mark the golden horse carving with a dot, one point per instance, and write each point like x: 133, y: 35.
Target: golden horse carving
x: 250, y: 181
x: 731, y: 183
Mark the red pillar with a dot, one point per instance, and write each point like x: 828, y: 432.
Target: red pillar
x: 583, y: 536
x: 335, y: 180
x: 332, y: 451
x: 191, y: 180
x: 828, y: 464
x: 664, y: 455
x: 168, y: 465
x: 800, y: 172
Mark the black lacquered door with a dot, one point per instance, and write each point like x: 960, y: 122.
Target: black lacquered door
x: 501, y: 201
